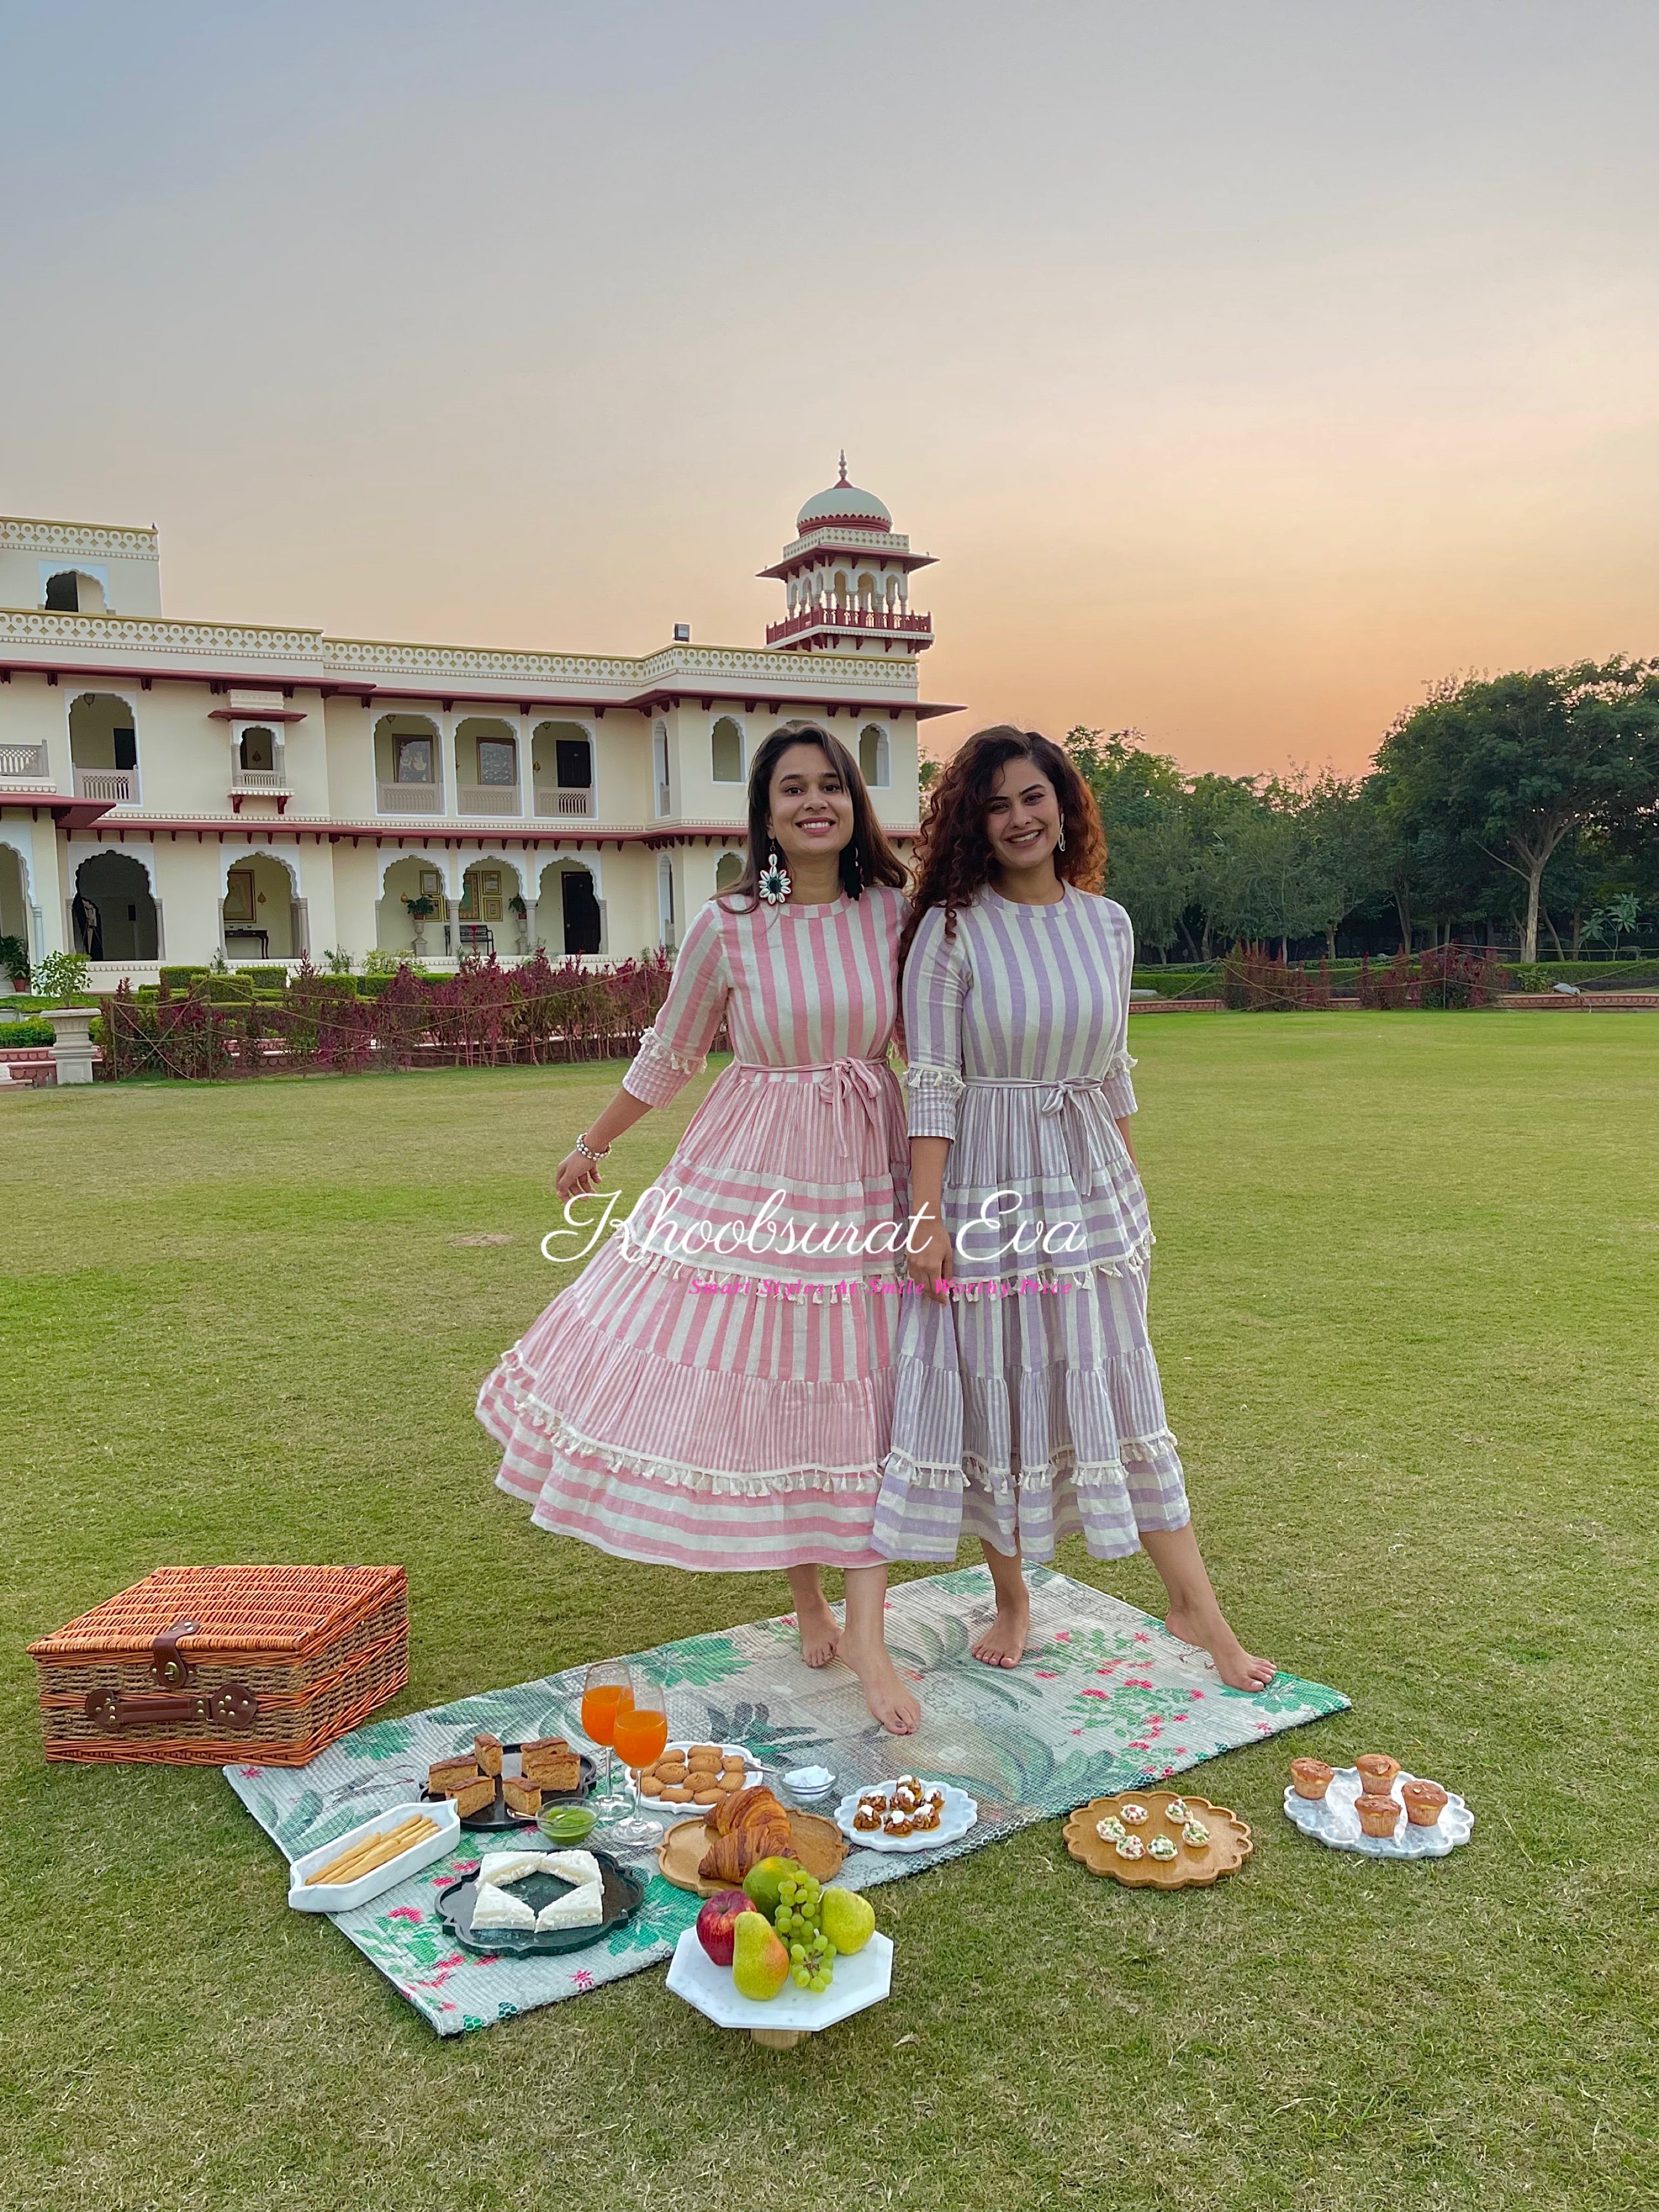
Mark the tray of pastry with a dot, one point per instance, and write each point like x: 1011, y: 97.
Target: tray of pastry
x: 698, y: 1774
x: 1159, y: 1839
x: 505, y: 1785
x: 1375, y: 1807
x: 716, y: 1852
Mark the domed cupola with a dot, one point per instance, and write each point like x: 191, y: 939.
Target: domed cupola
x: 848, y: 575
x: 843, y: 507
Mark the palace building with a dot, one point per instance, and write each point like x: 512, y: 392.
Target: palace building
x: 171, y: 790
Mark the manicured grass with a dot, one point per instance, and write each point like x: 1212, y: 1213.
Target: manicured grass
x: 1405, y: 1299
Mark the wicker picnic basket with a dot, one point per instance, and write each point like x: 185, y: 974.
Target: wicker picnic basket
x: 205, y: 1666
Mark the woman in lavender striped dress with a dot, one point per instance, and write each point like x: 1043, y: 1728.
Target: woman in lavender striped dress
x: 1027, y: 1404
x: 715, y: 1391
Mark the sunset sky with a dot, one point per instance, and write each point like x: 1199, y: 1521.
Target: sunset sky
x: 1246, y: 363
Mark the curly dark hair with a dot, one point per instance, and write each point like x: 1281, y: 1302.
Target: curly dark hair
x: 866, y: 858
x: 953, y: 855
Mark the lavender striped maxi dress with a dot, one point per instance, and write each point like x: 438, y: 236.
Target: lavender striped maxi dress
x: 723, y: 1409
x: 1028, y: 1407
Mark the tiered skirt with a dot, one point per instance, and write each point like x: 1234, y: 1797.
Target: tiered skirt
x: 722, y: 1410
x: 1028, y: 1407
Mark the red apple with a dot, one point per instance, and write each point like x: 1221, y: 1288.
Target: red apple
x: 717, y: 1924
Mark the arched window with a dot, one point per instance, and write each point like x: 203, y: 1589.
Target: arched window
x: 258, y: 749
x: 873, y: 757
x: 728, y: 871
x: 726, y: 748
x: 63, y: 593
x: 104, y: 748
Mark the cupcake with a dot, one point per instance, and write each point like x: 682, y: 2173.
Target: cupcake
x: 1311, y: 1778
x: 1425, y: 1801
x: 1378, y: 1816
x: 1377, y: 1771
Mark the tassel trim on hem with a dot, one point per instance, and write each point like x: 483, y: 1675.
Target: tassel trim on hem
x: 676, y: 1475
x: 1082, y: 1474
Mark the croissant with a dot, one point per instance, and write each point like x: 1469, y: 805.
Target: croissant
x: 749, y: 1826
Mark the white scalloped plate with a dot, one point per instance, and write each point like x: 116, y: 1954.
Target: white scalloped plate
x: 959, y: 1815
x: 1331, y: 1819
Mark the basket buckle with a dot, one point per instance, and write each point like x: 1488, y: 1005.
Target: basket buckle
x: 168, y: 1664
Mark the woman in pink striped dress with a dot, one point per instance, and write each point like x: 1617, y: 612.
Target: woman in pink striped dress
x: 715, y: 1391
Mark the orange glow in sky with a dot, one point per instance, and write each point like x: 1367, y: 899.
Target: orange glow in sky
x: 1246, y: 367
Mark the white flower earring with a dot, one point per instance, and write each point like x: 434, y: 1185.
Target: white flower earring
x: 774, y: 885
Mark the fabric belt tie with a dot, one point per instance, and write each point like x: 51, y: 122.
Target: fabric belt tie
x: 1059, y: 1101
x: 849, y: 1086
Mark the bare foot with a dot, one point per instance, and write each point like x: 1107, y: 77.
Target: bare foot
x: 820, y: 1631
x: 888, y: 1701
x: 1003, y: 1644
x: 1239, y: 1669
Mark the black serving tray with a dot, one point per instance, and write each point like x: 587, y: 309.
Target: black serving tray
x: 621, y: 1895
x: 495, y: 1817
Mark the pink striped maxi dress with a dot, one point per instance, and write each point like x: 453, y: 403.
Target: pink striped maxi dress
x: 1028, y: 1407
x: 715, y: 1391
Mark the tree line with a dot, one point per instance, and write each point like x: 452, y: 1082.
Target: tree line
x: 1501, y: 807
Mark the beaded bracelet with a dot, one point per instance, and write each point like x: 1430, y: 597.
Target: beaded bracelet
x: 588, y: 1152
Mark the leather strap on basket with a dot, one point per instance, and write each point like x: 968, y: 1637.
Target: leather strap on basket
x: 234, y: 1705
x: 168, y: 1664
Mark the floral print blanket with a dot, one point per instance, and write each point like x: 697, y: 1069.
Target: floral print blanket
x: 1103, y: 1699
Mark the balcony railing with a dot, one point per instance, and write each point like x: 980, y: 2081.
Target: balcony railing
x: 409, y: 798
x: 23, y: 759
x: 259, y: 778
x: 562, y: 799
x: 118, y: 787
x: 904, y: 624
x: 486, y: 798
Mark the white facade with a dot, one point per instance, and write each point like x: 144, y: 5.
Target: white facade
x: 173, y: 791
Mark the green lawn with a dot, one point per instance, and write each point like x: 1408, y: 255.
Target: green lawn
x: 1405, y: 1301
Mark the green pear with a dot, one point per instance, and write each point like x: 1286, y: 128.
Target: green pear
x: 760, y: 1963
x: 848, y: 1919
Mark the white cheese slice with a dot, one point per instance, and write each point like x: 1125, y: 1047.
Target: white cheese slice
x: 577, y: 1908
x: 578, y: 1866
x: 499, y: 1868
x: 493, y: 1908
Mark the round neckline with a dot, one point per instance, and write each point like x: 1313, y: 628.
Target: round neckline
x: 1032, y: 906
x: 801, y: 908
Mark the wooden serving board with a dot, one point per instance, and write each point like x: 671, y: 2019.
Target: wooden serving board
x: 1230, y: 1843
x: 818, y: 1844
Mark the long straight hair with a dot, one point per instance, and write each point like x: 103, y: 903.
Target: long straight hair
x: 954, y: 858
x: 865, y: 858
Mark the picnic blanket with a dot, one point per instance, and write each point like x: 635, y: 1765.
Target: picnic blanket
x: 1104, y: 1700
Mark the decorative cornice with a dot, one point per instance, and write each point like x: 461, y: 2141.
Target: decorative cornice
x: 151, y: 634
x: 18, y: 533
x: 878, y: 541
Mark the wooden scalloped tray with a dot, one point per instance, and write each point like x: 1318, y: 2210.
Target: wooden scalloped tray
x: 1229, y: 1847
x: 816, y: 1842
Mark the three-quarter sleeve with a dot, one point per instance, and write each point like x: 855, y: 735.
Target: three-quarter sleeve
x: 937, y: 980
x: 1115, y: 1087
x: 676, y: 1046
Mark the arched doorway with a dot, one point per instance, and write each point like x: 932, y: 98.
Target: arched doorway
x: 874, y: 760
x: 487, y: 920
x: 418, y: 876
x: 72, y: 591
x: 562, y: 765
x: 114, y: 909
x: 408, y: 772
x: 13, y: 907
x: 264, y: 914
x: 727, y: 871
x: 726, y: 751
x: 104, y: 748
x: 569, y: 915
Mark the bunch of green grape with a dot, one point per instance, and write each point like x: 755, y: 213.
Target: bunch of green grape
x: 812, y: 1954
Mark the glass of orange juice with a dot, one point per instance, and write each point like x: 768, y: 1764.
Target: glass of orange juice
x: 640, y: 1734
x: 607, y: 1692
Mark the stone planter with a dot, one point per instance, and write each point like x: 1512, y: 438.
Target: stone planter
x: 73, y: 1052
